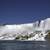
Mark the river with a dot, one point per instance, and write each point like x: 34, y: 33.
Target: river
x: 24, y: 45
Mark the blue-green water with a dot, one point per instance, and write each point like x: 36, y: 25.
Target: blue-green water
x: 24, y: 45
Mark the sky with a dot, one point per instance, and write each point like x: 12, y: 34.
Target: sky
x: 23, y: 11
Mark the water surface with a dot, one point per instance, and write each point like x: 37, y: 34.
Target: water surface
x: 24, y: 45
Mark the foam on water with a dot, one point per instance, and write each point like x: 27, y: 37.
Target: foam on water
x: 9, y: 32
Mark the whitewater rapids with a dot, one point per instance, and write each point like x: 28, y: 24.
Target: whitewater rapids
x: 9, y: 32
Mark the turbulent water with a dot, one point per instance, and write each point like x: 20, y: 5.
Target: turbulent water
x: 24, y: 45
x: 36, y: 42
x: 9, y: 32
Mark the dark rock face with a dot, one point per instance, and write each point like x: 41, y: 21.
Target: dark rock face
x: 48, y: 36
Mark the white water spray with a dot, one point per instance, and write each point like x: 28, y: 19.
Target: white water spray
x: 9, y: 32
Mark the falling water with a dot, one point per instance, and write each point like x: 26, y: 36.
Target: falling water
x: 9, y: 32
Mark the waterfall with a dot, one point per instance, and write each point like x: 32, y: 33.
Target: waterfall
x: 36, y: 30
